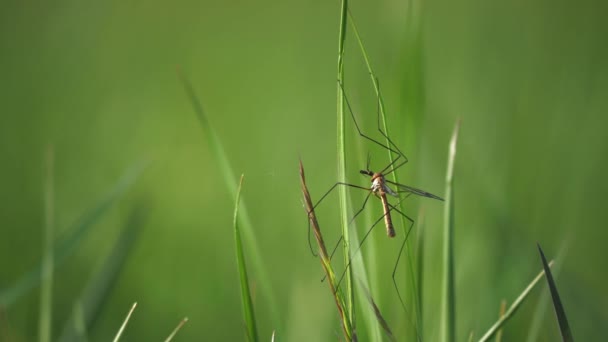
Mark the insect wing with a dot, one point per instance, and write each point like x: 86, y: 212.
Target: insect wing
x: 415, y: 191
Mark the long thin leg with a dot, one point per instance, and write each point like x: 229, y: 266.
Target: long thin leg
x: 364, y: 238
x: 319, y: 202
x: 400, y: 153
x: 349, y: 222
x: 407, y: 234
x: 396, y: 151
x: 331, y: 256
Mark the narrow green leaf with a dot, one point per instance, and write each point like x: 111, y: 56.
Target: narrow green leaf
x: 341, y: 151
x: 248, y: 312
x: 67, y: 245
x: 420, y: 267
x: 46, y: 288
x: 542, y: 303
x: 221, y: 160
x: 564, y: 327
x: 124, y: 323
x: 376, y: 310
x: 411, y: 291
x: 95, y: 294
x: 448, y: 327
x: 513, y: 308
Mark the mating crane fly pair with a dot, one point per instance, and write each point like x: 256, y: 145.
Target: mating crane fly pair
x: 380, y: 187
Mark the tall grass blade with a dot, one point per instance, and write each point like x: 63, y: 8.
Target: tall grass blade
x: 347, y: 327
x: 248, y: 312
x: 420, y: 267
x: 95, y: 294
x: 564, y: 327
x: 230, y: 182
x: 448, y: 327
x: 409, y: 293
x: 341, y: 149
x: 541, y: 304
x: 72, y: 239
x: 177, y: 328
x: 376, y: 310
x: 513, y: 308
x: 124, y: 323
x: 46, y: 288
x: 503, y: 308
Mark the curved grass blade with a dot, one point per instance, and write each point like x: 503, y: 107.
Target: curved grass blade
x: 229, y: 180
x: 513, y: 308
x: 95, y: 294
x: 341, y: 151
x: 46, y: 288
x: 66, y: 245
x: 178, y: 328
x: 248, y: 313
x: 564, y: 327
x: 542, y: 303
x: 347, y: 328
x: 412, y: 291
x: 448, y: 327
x: 376, y: 310
x: 124, y: 323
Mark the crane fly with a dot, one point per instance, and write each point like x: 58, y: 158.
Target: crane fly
x: 380, y: 187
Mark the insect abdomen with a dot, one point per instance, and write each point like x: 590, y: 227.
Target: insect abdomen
x: 388, y: 222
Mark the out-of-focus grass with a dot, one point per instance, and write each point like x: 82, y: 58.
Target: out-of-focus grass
x: 248, y: 311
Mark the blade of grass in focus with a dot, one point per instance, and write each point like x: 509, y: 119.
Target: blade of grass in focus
x: 124, y: 323
x: 229, y: 180
x: 97, y: 291
x: 376, y: 310
x: 341, y: 148
x: 248, y: 313
x: 564, y: 327
x: 46, y: 287
x: 178, y: 328
x: 74, y: 235
x: 347, y: 327
x: 447, y: 320
x: 416, y: 332
x: 513, y: 308
x: 541, y: 304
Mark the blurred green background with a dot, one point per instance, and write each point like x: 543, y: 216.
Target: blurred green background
x: 98, y: 82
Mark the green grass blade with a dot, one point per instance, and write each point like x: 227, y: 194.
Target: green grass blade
x: 347, y: 328
x: 177, y: 328
x: 376, y: 310
x: 542, y: 303
x: 420, y: 267
x: 341, y: 151
x: 448, y: 328
x: 124, y: 323
x: 66, y: 245
x: 513, y: 308
x: 46, y: 288
x: 248, y: 312
x: 564, y: 327
x: 230, y: 182
x: 416, y: 332
x: 95, y: 294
